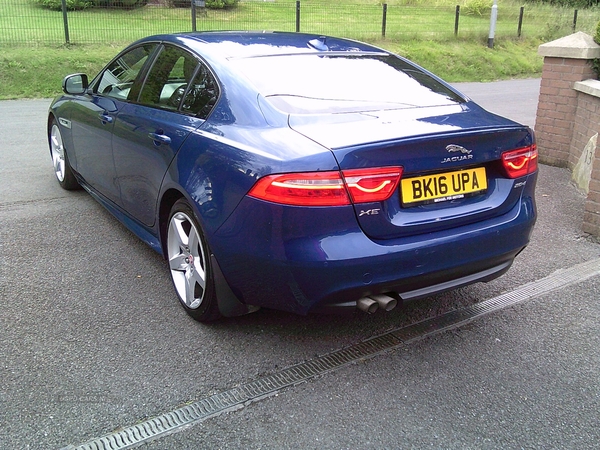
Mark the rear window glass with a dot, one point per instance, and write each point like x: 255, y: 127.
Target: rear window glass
x: 316, y: 83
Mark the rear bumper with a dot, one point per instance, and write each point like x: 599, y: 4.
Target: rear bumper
x: 431, y: 284
x: 283, y: 258
x: 454, y: 283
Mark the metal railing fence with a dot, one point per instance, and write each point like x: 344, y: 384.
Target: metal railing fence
x: 25, y: 23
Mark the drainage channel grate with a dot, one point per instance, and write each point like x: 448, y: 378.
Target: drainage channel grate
x: 241, y: 396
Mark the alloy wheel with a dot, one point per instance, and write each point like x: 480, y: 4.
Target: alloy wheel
x: 187, y: 260
x: 58, y: 153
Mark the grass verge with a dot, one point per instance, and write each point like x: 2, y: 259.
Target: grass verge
x: 37, y: 72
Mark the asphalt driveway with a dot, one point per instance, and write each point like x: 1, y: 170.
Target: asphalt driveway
x: 93, y: 341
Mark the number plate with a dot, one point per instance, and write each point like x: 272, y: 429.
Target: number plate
x: 443, y: 186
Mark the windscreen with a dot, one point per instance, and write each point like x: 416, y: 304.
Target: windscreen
x: 317, y: 83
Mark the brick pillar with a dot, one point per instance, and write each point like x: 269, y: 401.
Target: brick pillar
x: 566, y: 61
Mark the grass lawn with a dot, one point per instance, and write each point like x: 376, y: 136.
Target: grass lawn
x: 34, y: 58
x: 36, y: 72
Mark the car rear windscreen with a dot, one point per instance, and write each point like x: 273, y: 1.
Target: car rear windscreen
x: 317, y: 83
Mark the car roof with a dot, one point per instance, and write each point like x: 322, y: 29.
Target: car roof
x: 240, y: 44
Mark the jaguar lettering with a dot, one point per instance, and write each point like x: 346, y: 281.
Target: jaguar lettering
x: 456, y: 158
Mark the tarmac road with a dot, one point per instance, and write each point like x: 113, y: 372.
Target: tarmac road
x: 515, y: 99
x: 92, y: 338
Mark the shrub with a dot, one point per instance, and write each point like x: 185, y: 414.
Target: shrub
x: 596, y: 61
x: 477, y: 7
x: 571, y: 3
x: 125, y: 4
x: 71, y: 4
x: 83, y: 4
x: 211, y: 4
x: 219, y: 4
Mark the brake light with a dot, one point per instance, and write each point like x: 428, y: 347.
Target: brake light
x: 328, y: 188
x: 520, y: 162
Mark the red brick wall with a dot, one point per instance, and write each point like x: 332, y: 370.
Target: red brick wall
x: 566, y: 120
x: 557, y: 107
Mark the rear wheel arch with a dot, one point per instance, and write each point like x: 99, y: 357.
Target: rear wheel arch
x: 223, y: 302
x: 167, y: 201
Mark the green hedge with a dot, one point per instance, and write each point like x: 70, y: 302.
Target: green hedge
x: 569, y: 3
x: 120, y: 3
x: 212, y: 4
x: 71, y: 4
x: 83, y: 4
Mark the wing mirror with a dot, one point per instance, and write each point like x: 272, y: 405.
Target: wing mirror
x: 75, y: 84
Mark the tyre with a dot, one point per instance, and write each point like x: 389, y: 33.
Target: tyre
x: 60, y: 160
x: 189, y: 263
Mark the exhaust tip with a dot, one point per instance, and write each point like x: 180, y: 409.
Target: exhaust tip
x: 367, y: 305
x: 384, y: 301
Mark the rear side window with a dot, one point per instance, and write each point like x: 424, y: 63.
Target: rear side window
x: 201, y: 94
x: 317, y: 83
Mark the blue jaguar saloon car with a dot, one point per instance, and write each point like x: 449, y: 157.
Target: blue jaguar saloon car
x: 296, y: 172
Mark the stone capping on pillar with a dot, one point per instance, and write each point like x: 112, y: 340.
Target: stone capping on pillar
x: 568, y: 116
x: 575, y: 46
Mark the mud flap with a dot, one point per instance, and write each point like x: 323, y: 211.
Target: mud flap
x: 229, y: 304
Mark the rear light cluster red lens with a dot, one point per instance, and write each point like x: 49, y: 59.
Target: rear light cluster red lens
x: 329, y: 188
x: 520, y: 162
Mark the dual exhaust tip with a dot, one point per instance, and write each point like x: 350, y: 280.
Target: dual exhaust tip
x: 372, y: 303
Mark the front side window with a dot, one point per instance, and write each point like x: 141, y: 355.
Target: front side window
x: 178, y: 81
x: 168, y: 78
x: 118, y: 78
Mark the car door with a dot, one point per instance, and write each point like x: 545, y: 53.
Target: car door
x: 149, y: 132
x: 93, y: 118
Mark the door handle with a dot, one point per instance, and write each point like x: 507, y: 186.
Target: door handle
x: 160, y: 138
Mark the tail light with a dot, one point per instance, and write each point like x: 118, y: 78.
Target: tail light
x: 520, y: 162
x: 308, y: 189
x: 372, y: 185
x: 329, y: 188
